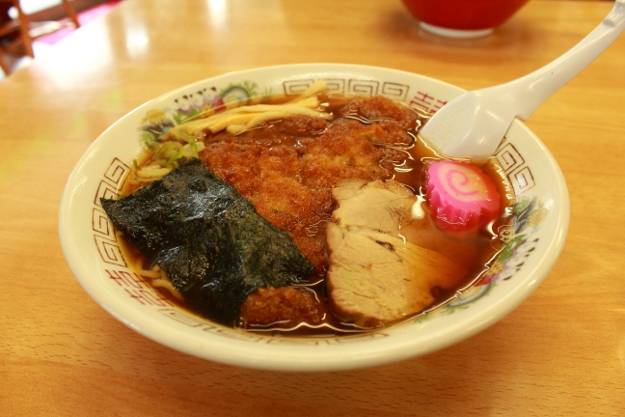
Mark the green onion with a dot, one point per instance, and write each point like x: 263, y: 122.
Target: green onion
x: 193, y: 146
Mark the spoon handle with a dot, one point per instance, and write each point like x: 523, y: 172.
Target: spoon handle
x: 533, y: 89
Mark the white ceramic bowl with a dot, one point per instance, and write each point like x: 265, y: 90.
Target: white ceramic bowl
x: 93, y: 253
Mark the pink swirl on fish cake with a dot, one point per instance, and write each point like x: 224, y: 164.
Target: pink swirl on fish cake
x: 461, y: 196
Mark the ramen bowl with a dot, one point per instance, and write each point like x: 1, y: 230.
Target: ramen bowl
x: 533, y: 241
x: 460, y: 18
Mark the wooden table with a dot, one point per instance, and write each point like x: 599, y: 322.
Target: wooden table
x: 562, y: 352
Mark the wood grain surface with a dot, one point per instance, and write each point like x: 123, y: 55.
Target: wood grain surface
x: 561, y: 353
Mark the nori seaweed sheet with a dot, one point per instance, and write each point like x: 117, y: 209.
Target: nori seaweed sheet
x: 211, y: 242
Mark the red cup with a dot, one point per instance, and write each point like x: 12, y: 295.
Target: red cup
x: 462, y: 18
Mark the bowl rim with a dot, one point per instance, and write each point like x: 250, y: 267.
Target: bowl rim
x: 284, y: 357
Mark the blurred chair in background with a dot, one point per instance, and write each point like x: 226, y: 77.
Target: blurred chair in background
x: 16, y: 34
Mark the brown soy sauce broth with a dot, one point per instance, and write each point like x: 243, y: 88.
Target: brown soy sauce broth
x: 473, y: 253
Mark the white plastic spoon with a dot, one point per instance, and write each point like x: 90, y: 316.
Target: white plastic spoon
x: 473, y: 124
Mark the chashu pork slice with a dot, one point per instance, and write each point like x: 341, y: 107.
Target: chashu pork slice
x: 375, y: 277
